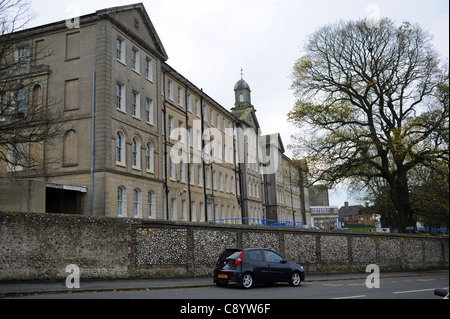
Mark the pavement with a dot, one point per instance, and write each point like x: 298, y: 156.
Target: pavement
x: 11, y: 289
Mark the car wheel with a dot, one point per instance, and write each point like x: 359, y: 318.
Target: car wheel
x: 295, y: 279
x: 246, y: 281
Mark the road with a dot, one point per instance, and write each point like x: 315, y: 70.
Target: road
x: 398, y: 287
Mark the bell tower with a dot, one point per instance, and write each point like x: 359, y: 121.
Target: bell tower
x: 242, y: 94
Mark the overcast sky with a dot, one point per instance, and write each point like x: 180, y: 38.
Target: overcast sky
x: 208, y: 41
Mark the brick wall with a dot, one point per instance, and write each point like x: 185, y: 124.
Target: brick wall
x: 40, y: 246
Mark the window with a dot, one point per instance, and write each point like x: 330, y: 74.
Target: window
x: 70, y: 148
x: 232, y: 185
x: 16, y: 156
x: 120, y: 149
x: 208, y: 177
x: 182, y: 172
x: 272, y: 257
x: 205, y: 113
x: 150, y: 157
x: 197, y: 108
x: 227, y: 184
x: 149, y: 69
x: 136, y: 104
x: 212, y: 118
x: 200, y: 175
x: 72, y: 46
x: 181, y: 132
x: 189, y: 103
x: 191, y: 136
x: 214, y: 175
x: 170, y: 89
x: 173, y: 209
x: 22, y: 56
x: 120, y: 53
x: 137, y: 203
x: 151, y: 204
x: 183, y: 210
x: 192, y: 174
x: 180, y: 97
x: 135, y: 60
x: 255, y: 255
x: 149, y: 112
x: 221, y: 182
x: 193, y: 211
x: 71, y: 95
x: 136, y: 153
x: 172, y: 169
x: 171, y: 127
x: 121, y: 208
x: 21, y: 101
x: 120, y: 97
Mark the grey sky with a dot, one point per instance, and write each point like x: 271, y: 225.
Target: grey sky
x: 208, y: 41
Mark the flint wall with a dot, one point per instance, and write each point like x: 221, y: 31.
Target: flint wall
x: 40, y: 246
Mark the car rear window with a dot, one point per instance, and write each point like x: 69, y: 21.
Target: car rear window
x: 229, y: 253
x: 234, y: 255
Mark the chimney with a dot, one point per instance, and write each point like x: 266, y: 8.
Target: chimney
x: 346, y: 204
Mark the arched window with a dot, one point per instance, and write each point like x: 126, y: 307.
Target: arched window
x: 151, y: 205
x: 120, y: 149
x: 137, y: 207
x: 136, y: 153
x: 121, y: 203
x: 221, y: 182
x: 150, y: 157
x: 36, y: 103
x: 70, y: 151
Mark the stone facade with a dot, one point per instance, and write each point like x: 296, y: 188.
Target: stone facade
x: 40, y: 246
x: 146, y: 114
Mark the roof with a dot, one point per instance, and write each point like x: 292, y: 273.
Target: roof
x: 241, y: 85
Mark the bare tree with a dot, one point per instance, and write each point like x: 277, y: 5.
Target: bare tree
x: 370, y: 95
x: 27, y: 117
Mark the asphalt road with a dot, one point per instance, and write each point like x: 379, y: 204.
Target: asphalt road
x: 401, y: 287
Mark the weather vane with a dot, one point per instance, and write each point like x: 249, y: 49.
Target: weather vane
x: 242, y: 73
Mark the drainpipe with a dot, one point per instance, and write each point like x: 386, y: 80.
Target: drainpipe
x: 93, y: 143
x: 203, y: 157
x: 166, y: 185
x: 188, y: 138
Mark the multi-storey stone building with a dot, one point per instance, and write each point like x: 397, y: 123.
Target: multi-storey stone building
x: 138, y: 139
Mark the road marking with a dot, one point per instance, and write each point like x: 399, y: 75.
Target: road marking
x: 413, y: 291
x: 426, y: 279
x: 357, y: 284
x: 333, y: 285
x: 351, y: 297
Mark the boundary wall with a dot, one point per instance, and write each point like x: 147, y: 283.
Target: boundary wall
x: 41, y: 246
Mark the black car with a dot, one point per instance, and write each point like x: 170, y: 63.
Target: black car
x: 255, y: 265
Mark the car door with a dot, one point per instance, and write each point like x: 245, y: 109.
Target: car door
x: 277, y: 269
x: 255, y: 258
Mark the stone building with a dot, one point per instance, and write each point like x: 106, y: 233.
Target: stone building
x: 138, y: 139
